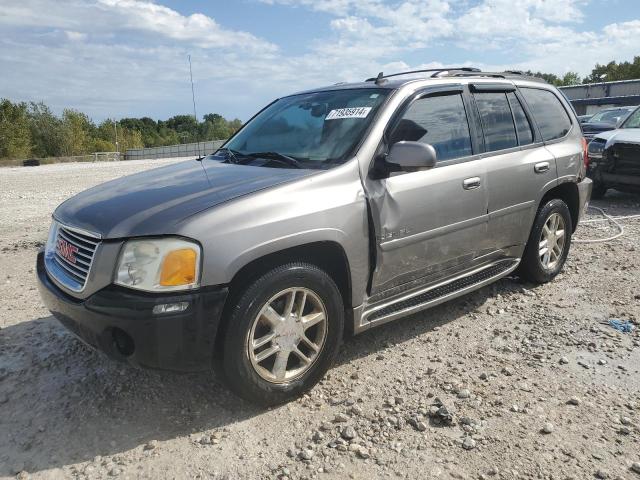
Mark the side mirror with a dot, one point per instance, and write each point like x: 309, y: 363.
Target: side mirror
x: 412, y: 155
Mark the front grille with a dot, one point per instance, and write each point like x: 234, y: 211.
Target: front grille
x: 71, y: 255
x: 626, y: 159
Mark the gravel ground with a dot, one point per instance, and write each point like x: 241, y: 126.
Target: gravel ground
x: 514, y: 381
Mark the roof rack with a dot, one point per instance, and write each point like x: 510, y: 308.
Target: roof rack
x: 381, y: 76
x: 457, y: 72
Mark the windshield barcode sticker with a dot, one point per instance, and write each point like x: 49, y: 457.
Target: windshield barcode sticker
x: 357, y: 112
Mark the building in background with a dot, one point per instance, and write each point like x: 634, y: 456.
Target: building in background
x: 591, y: 98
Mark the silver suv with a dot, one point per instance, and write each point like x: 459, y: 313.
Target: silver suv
x: 331, y: 211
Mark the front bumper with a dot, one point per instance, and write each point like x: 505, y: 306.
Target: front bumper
x: 120, y: 322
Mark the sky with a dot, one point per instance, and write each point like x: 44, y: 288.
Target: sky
x: 128, y: 58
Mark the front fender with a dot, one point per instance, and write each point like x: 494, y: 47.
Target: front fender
x: 327, y: 207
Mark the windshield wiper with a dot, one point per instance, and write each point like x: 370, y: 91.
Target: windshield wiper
x: 278, y: 157
x: 232, y: 155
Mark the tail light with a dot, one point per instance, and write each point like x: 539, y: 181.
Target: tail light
x: 585, y: 159
x: 585, y: 152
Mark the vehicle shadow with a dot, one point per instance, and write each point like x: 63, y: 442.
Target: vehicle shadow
x: 62, y: 403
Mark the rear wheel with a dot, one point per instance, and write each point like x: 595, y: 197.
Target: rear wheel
x: 549, y: 242
x: 283, y: 334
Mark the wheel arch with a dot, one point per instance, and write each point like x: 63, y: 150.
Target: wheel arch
x: 567, y: 192
x: 327, y: 255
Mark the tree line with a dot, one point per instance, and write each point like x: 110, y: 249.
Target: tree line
x: 29, y: 130
x: 610, y: 72
x: 32, y: 130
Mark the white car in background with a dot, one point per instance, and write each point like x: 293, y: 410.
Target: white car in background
x: 615, y: 158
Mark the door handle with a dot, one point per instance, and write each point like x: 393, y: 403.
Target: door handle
x: 541, y: 167
x: 471, y: 183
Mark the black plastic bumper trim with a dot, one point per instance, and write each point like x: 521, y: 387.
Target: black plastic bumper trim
x: 182, y: 341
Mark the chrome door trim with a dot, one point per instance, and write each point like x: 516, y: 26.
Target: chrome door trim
x: 512, y: 208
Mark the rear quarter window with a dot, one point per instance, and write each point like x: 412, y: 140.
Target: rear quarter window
x: 550, y: 115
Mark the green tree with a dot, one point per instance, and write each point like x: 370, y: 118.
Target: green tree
x: 77, y: 133
x: 570, y: 78
x: 130, y: 139
x: 613, y: 71
x: 46, y: 131
x: 15, y: 135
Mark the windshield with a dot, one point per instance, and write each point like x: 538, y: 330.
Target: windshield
x: 313, y: 130
x: 609, y: 116
x: 633, y: 121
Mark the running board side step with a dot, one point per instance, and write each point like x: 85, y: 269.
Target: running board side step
x: 383, y: 312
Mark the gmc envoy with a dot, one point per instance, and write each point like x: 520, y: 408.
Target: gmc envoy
x: 331, y: 211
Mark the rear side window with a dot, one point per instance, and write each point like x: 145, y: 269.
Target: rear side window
x: 523, y: 127
x: 440, y: 121
x: 550, y: 115
x: 497, y: 122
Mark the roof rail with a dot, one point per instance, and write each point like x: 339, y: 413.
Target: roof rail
x: 381, y: 76
x: 458, y: 72
x: 506, y: 74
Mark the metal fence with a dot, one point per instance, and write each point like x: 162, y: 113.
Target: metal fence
x: 182, y: 150
x: 591, y: 98
x: 90, y: 157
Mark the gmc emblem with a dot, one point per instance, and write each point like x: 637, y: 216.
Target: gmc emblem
x: 67, y: 250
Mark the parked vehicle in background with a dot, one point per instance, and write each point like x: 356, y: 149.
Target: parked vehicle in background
x: 584, y: 118
x: 614, y: 158
x: 341, y: 208
x: 604, y: 120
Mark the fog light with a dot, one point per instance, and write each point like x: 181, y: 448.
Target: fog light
x: 170, y: 308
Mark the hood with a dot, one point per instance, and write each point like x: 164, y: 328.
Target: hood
x: 623, y: 135
x: 597, y: 127
x: 155, y: 202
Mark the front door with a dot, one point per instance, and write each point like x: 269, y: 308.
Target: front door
x: 431, y: 223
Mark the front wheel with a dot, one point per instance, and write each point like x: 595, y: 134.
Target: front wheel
x: 283, y: 334
x: 549, y: 242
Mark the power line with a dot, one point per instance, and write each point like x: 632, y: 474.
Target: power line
x: 193, y: 98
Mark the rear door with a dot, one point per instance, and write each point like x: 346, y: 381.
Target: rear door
x: 560, y: 131
x: 517, y: 163
x: 430, y: 223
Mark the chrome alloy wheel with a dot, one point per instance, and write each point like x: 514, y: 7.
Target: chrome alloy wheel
x: 287, y: 335
x: 552, y: 241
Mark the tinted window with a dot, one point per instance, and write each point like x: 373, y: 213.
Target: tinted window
x: 523, y: 127
x: 550, y: 115
x: 440, y: 121
x: 633, y: 121
x: 317, y: 129
x: 497, y: 122
x: 610, y: 116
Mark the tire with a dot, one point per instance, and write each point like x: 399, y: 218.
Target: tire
x: 532, y: 267
x: 261, y: 381
x: 599, y: 190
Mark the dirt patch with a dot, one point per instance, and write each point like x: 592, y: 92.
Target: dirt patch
x: 534, y: 383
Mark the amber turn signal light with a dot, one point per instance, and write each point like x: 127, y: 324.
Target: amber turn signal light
x: 179, y: 268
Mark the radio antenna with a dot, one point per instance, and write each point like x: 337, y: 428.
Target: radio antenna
x: 193, y: 98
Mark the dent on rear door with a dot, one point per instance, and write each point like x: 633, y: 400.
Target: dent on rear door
x: 568, y: 155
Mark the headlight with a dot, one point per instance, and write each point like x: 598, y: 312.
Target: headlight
x: 596, y: 148
x: 50, y: 246
x: 161, y: 264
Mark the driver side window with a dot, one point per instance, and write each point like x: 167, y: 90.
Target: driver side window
x: 440, y: 121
